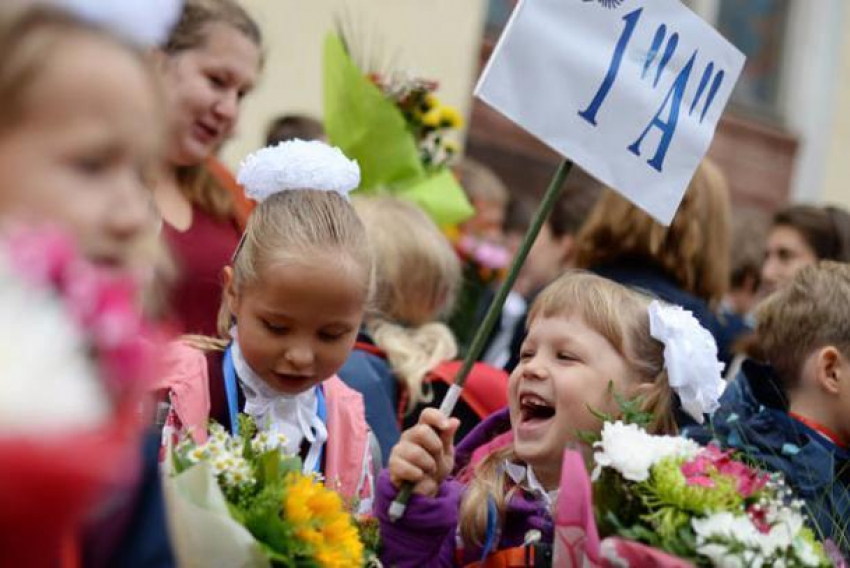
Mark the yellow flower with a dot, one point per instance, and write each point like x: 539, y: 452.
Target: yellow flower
x: 321, y: 521
x: 450, y: 117
x: 429, y: 101
x: 433, y: 117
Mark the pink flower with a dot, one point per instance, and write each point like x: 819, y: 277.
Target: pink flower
x: 102, y: 304
x: 758, y: 516
x: 487, y: 254
x: 41, y: 256
x: 712, y: 460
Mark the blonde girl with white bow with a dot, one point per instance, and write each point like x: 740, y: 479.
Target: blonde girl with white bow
x: 295, y: 295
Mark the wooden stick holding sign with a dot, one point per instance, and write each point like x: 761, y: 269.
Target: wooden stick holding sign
x: 631, y: 90
x: 493, y: 312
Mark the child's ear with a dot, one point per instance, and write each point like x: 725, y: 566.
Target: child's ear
x: 831, y: 369
x: 231, y: 295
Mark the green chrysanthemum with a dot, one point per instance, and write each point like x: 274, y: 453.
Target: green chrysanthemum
x: 668, y: 487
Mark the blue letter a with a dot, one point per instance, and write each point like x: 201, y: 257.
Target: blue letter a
x: 676, y: 92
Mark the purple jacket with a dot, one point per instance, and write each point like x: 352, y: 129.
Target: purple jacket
x: 427, y: 534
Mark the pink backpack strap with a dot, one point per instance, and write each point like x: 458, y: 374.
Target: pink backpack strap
x: 185, y: 375
x: 347, y: 449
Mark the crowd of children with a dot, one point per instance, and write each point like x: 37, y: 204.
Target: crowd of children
x: 323, y: 317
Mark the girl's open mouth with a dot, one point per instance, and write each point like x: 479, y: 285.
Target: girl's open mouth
x: 534, y: 410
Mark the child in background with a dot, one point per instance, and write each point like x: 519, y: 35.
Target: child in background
x: 294, y: 126
x: 401, y: 352
x: 295, y: 295
x: 553, y: 252
x: 80, y: 136
x: 488, y: 196
x: 801, y: 235
x: 587, y: 336
x: 72, y: 152
x: 794, y: 416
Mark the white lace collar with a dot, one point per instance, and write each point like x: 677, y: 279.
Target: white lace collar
x: 294, y: 416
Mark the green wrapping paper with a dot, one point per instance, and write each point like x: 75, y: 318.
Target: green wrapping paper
x: 369, y: 128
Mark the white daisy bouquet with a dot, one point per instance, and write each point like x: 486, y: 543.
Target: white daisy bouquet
x: 241, y: 501
x: 696, y: 503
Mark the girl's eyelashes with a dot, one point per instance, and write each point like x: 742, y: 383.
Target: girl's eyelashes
x: 217, y: 81
x: 274, y: 328
x: 565, y: 356
x: 92, y: 164
x: 526, y: 354
x: 324, y: 336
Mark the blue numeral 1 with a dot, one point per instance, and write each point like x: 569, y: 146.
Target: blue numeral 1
x: 631, y: 19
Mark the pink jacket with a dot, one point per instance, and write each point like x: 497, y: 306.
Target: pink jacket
x: 348, y: 456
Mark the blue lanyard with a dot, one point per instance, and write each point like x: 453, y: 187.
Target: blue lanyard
x: 230, y: 390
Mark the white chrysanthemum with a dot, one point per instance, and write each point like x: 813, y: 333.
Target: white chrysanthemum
x: 720, y: 537
x: 297, y: 164
x: 690, y: 355
x: 632, y: 452
x: 144, y: 22
x: 48, y: 383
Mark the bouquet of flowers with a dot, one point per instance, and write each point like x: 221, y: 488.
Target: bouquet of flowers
x: 396, y: 129
x: 427, y: 118
x: 669, y: 499
x: 74, y: 367
x: 240, y: 501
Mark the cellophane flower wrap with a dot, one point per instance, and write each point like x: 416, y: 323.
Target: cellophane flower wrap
x: 75, y: 361
x: 696, y: 503
x: 240, y: 501
x: 396, y: 129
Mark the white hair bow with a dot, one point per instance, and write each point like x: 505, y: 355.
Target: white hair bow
x: 297, y: 164
x: 690, y: 356
x: 144, y: 22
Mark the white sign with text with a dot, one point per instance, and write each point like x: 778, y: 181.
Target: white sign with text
x: 630, y: 90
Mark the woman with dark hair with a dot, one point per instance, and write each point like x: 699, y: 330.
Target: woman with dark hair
x: 800, y: 236
x: 209, y: 63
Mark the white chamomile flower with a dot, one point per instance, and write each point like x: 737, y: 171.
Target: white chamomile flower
x: 197, y: 454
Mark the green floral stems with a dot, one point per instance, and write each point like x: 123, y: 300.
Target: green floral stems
x: 494, y: 311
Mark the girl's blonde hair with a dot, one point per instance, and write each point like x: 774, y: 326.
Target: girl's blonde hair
x: 297, y: 226
x: 29, y: 35
x: 620, y: 316
x: 418, y: 276
x: 694, y: 250
x: 197, y: 182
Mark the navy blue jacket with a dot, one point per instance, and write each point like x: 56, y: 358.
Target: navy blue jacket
x: 371, y: 376
x: 753, y: 419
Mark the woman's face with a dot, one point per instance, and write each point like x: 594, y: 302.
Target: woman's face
x: 204, y: 89
x: 787, y: 253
